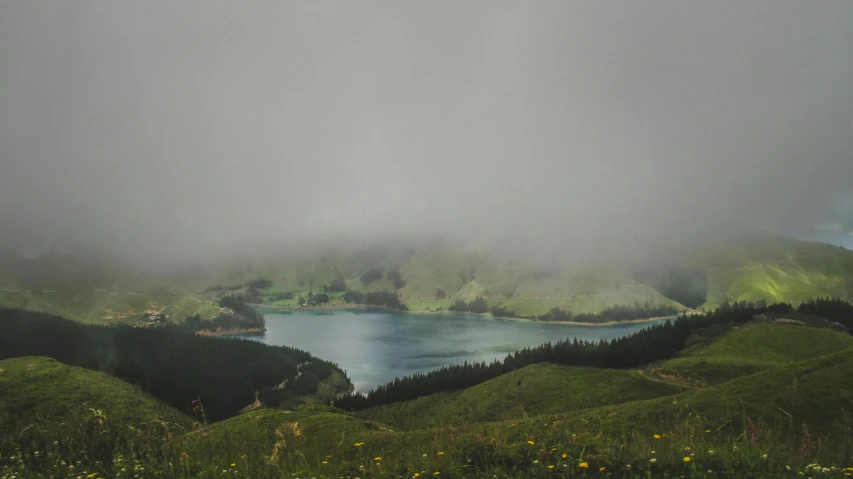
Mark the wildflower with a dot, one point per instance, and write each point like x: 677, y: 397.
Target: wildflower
x: 325, y: 462
x: 564, y: 455
x: 417, y: 475
x: 440, y: 453
x: 536, y: 461
x: 657, y: 436
x: 653, y: 460
x: 358, y: 444
x: 551, y: 467
x: 377, y: 459
x: 583, y: 465
x: 233, y: 464
x: 436, y: 473
x: 764, y: 456
x: 531, y: 442
x: 707, y: 430
x: 601, y: 469
x: 753, y: 436
x: 686, y: 458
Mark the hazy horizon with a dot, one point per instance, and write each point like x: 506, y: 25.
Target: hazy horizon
x: 179, y: 130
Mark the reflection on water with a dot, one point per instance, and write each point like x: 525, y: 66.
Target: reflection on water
x: 375, y: 346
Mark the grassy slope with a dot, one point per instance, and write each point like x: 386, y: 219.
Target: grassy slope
x: 530, y: 391
x: 36, y: 386
x: 745, y: 267
x: 752, y: 348
x: 801, y: 388
x: 793, y: 393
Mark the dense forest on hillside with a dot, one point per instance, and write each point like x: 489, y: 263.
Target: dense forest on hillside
x: 612, y: 314
x: 651, y: 344
x: 385, y: 298
x: 169, y: 363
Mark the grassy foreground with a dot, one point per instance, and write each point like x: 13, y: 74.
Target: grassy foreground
x: 790, y: 417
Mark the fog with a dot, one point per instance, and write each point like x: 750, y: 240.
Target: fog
x: 179, y: 129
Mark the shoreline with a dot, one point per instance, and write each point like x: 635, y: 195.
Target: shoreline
x: 332, y: 307
x: 231, y: 332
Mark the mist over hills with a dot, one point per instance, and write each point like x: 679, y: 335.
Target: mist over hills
x: 435, y: 273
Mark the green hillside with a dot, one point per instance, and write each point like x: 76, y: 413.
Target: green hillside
x: 538, y: 421
x: 744, y: 267
x: 530, y: 391
x: 785, y: 403
x: 37, y: 387
x: 752, y: 348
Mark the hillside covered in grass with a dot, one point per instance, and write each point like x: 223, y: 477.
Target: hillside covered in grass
x: 174, y: 365
x: 430, y: 275
x: 788, y: 418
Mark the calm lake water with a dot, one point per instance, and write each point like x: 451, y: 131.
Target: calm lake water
x: 375, y: 346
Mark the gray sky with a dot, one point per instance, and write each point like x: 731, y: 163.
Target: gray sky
x: 185, y: 127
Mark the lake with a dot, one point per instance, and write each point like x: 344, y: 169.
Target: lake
x: 374, y: 346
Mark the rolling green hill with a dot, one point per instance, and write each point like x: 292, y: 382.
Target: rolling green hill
x: 744, y: 267
x: 752, y: 348
x: 530, y: 391
x: 37, y: 387
x: 544, y: 420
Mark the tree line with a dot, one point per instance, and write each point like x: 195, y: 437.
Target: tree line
x: 654, y: 343
x: 170, y: 363
x: 385, y: 298
x: 612, y: 313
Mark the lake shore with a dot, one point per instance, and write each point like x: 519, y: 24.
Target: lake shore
x: 339, y: 306
x: 231, y: 332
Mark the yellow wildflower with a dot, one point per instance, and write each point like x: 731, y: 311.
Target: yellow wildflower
x: 564, y: 455
x: 707, y: 430
x: 550, y: 467
x: 417, y: 475
x: 583, y: 465
x: 436, y: 473
x: 233, y: 464
x: 377, y: 458
x: 601, y: 469
x: 686, y: 458
x: 657, y: 436
x: 440, y: 453
x: 325, y: 462
x: 531, y: 442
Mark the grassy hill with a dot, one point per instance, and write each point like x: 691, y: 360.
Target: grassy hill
x: 752, y: 348
x: 744, y: 267
x: 34, y: 386
x: 530, y: 391
x: 790, y: 412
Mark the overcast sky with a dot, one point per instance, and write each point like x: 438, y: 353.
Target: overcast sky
x: 181, y: 127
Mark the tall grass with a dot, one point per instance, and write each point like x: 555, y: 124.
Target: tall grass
x: 89, y: 444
